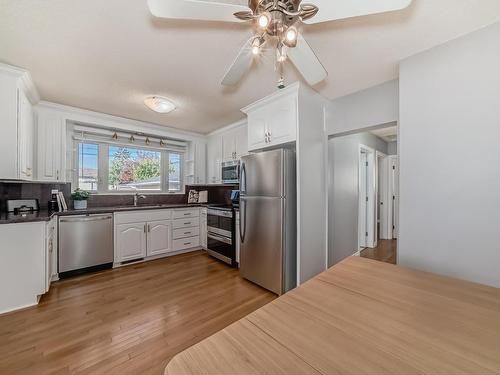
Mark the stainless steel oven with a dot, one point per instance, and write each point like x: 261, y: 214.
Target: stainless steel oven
x: 221, y: 232
x: 231, y: 172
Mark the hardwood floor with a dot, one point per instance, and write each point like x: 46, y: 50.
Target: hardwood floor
x: 130, y: 320
x: 386, y: 251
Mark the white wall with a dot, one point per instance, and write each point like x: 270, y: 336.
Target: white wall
x: 364, y: 109
x: 343, y: 164
x: 311, y: 187
x: 392, y: 148
x: 450, y: 158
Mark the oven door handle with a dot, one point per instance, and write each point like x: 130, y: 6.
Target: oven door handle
x: 219, y: 238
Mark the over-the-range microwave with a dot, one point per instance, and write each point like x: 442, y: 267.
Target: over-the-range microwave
x: 231, y: 172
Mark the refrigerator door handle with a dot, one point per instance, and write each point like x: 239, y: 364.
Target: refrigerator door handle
x: 243, y: 178
x: 243, y: 220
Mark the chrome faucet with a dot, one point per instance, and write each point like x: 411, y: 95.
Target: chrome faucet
x: 136, y: 198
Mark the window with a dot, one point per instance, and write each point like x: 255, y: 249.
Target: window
x: 174, y: 172
x: 104, y: 168
x: 134, y: 169
x: 88, y: 155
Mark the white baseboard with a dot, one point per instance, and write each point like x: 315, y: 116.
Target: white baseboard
x: 178, y: 252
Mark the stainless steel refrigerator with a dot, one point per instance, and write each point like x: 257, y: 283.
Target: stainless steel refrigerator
x: 268, y: 220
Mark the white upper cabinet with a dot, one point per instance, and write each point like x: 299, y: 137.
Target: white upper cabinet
x: 17, y: 97
x: 214, y: 159
x: 49, y: 150
x: 273, y: 120
x: 241, y: 141
x: 25, y: 130
x: 234, y: 143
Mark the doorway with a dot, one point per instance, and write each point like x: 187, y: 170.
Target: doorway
x: 362, y: 183
x: 366, y: 197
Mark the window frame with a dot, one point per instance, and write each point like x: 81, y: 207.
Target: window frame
x: 103, y: 169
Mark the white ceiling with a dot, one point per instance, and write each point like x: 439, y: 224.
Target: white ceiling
x: 108, y: 55
x: 389, y: 134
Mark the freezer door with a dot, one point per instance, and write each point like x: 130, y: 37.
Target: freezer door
x: 262, y: 174
x: 261, y: 235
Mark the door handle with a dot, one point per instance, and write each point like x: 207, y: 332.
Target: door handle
x: 243, y: 178
x: 243, y: 220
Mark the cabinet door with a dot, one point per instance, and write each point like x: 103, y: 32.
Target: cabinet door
x: 228, y: 145
x: 25, y: 137
x: 200, y: 163
x: 241, y: 141
x: 49, y: 151
x: 214, y: 156
x: 130, y: 241
x: 257, y: 128
x: 159, y: 239
x: 282, y: 121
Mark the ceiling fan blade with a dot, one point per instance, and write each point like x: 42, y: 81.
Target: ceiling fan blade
x: 335, y: 10
x: 195, y: 10
x: 306, y: 61
x: 240, y: 65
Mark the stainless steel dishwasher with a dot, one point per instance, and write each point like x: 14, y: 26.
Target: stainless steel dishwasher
x: 85, y: 243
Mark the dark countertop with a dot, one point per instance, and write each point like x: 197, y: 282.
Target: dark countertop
x: 44, y: 215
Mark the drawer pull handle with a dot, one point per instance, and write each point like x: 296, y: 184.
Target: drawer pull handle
x: 187, y: 232
x: 187, y: 223
x: 187, y: 243
x: 187, y: 214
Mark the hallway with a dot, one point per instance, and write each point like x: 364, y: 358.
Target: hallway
x: 385, y: 251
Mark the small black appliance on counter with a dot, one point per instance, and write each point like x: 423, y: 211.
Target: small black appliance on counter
x: 22, y: 206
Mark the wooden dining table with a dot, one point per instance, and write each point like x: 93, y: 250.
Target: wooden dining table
x: 360, y: 317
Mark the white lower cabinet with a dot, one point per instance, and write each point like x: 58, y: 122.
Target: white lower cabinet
x: 159, y: 237
x: 130, y: 241
x: 143, y: 234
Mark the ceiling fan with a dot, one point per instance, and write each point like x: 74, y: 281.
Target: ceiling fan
x: 277, y: 23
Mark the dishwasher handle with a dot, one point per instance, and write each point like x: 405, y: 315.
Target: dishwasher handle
x: 80, y: 219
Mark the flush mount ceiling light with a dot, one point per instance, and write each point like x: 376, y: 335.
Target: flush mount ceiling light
x: 159, y: 104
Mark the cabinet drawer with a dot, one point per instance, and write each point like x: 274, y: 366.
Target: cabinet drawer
x: 186, y: 223
x: 142, y: 216
x: 186, y: 232
x: 186, y: 243
x: 191, y: 212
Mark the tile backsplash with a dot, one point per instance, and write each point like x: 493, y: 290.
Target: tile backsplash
x: 41, y: 191
x: 30, y: 190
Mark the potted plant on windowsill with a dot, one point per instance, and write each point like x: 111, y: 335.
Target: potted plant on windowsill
x: 80, y: 199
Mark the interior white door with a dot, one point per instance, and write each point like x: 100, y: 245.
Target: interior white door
x: 384, y: 199
x: 130, y: 241
x: 159, y: 238
x: 363, y: 199
x: 395, y: 195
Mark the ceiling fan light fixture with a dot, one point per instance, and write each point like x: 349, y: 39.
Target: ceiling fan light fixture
x: 291, y: 35
x: 257, y: 44
x: 264, y: 20
x: 281, y: 53
x: 159, y: 104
